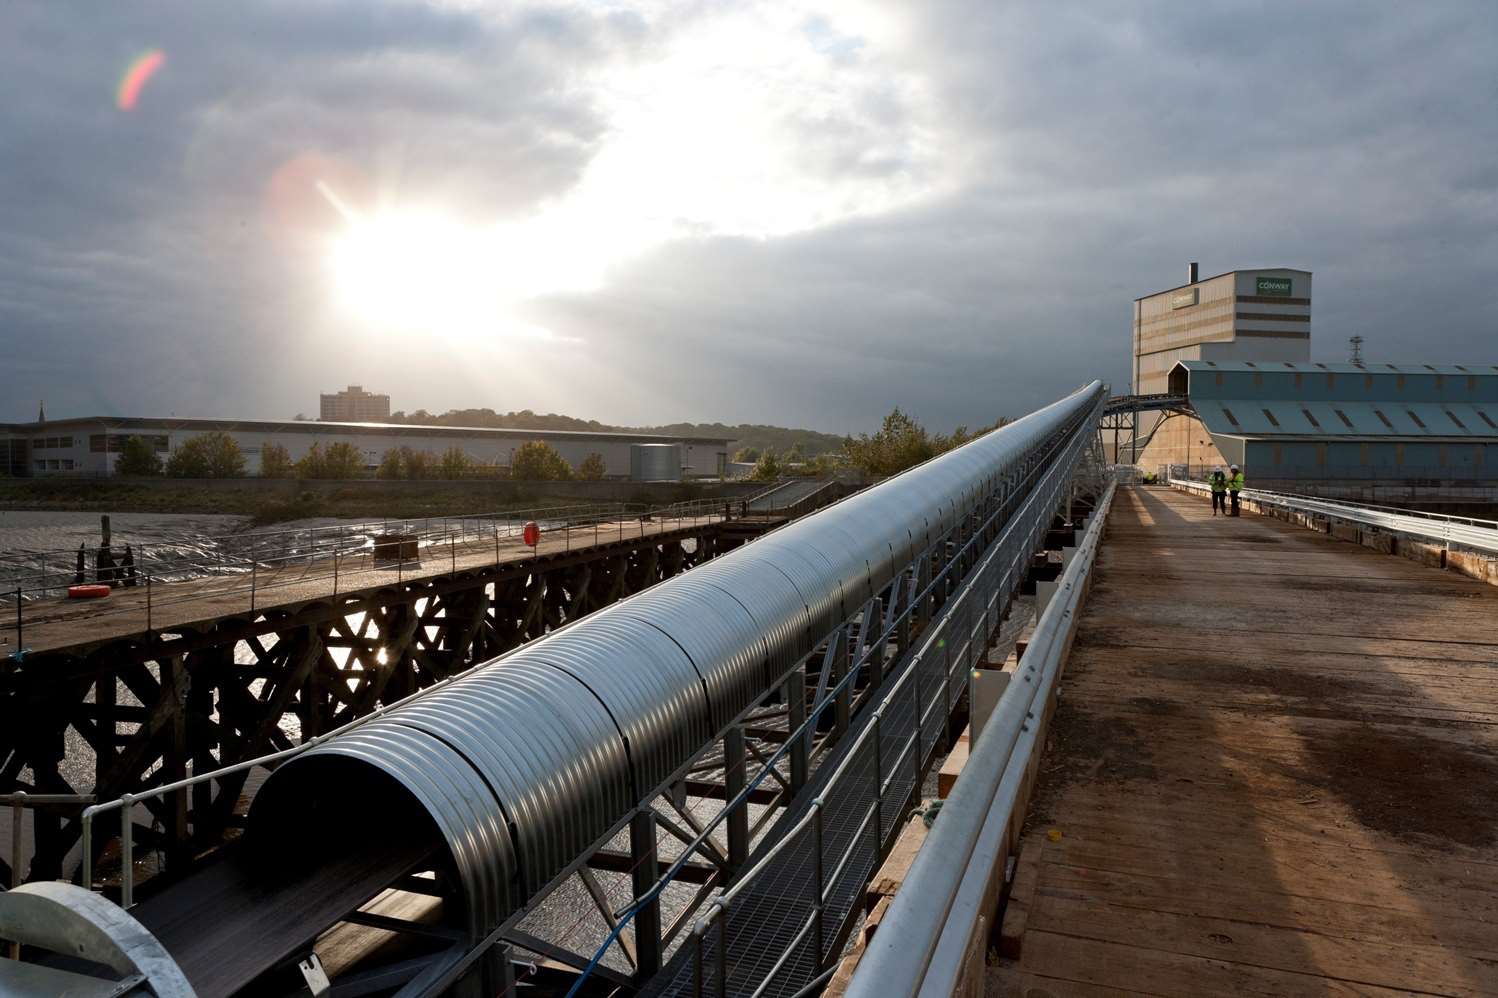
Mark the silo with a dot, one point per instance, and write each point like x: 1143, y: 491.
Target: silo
x: 655, y: 462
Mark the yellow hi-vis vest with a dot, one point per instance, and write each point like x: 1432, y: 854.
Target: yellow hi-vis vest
x: 1235, y: 483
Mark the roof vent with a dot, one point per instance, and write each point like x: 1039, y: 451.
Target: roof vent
x: 1191, y: 272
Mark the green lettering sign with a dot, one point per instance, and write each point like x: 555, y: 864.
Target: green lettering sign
x: 1274, y: 287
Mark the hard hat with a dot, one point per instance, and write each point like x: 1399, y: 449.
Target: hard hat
x: 1235, y: 467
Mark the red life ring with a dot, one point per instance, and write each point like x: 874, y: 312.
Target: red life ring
x: 531, y: 534
x: 89, y: 590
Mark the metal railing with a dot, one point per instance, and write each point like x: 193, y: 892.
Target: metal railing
x: 1446, y: 529
x: 126, y: 802
x: 696, y: 510
x: 257, y: 563
x: 926, y: 935
x: 18, y: 803
x: 956, y: 638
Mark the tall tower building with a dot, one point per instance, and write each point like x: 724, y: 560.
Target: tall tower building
x: 1261, y: 315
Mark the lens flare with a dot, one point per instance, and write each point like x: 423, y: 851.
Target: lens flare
x: 141, y: 70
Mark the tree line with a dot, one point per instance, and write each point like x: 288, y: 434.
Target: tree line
x: 757, y: 436
x: 218, y: 455
x: 899, y: 443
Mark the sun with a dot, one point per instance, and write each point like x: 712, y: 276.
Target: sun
x: 416, y: 271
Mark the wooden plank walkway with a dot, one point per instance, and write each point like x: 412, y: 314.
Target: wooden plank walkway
x: 78, y: 624
x: 1273, y: 771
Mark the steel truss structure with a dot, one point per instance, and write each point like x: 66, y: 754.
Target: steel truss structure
x: 151, y: 708
x: 804, y: 682
x: 1120, y: 414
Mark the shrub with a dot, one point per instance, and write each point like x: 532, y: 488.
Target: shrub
x: 275, y: 462
x: 137, y: 457
x: 456, y: 463
x: 340, y: 460
x: 767, y: 468
x: 538, y: 461
x: 207, y: 455
x: 591, y: 468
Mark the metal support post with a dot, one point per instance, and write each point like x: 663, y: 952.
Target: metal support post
x: 127, y: 851
x: 878, y: 785
x: 843, y: 701
x: 817, y: 882
x: 493, y: 973
x: 734, y: 779
x: 723, y: 950
x: 795, y: 699
x: 644, y: 866
x: 17, y: 805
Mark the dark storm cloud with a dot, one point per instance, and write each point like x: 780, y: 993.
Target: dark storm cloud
x: 1096, y: 148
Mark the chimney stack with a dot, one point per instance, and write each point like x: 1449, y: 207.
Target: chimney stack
x: 1191, y: 272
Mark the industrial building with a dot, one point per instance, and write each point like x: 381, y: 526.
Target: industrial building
x: 90, y: 446
x: 1237, y: 347
x: 1355, y: 425
x: 354, y: 405
x: 1241, y: 315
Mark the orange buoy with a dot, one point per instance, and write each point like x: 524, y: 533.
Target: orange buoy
x: 89, y: 590
x: 531, y: 534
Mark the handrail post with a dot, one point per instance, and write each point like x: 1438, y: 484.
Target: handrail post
x: 19, y: 643
x: 335, y: 571
x: 723, y: 950
x: 127, y: 852
x: 697, y: 965
x: 817, y: 882
x: 878, y: 785
x: 254, y: 573
x: 15, y: 855
x: 17, y: 804
x: 88, y: 848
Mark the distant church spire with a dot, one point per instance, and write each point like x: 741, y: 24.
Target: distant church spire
x: 41, y: 411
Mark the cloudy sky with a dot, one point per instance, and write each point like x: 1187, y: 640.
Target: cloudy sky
x: 800, y: 212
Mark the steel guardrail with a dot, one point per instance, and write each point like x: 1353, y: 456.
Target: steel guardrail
x: 956, y: 638
x: 924, y: 937
x: 1448, y: 530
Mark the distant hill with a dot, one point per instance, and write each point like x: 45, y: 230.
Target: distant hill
x: 755, y: 436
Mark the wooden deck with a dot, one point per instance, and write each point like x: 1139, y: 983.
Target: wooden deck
x: 1273, y: 771
x: 80, y: 624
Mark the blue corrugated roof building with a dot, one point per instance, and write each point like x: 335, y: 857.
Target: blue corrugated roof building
x: 1294, y: 423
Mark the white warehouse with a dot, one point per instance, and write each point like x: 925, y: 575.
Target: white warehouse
x: 90, y: 446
